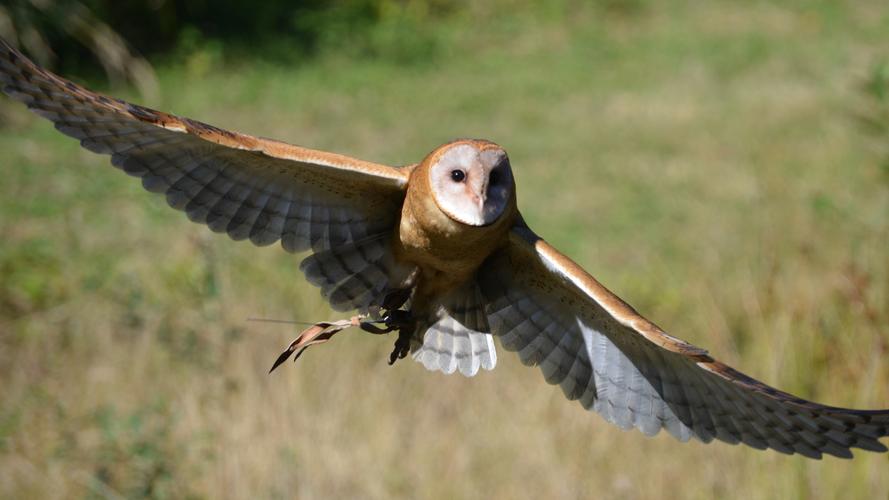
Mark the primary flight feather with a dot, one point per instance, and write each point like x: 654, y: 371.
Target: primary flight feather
x: 439, y: 251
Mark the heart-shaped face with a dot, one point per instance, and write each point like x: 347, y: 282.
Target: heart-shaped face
x: 471, y: 181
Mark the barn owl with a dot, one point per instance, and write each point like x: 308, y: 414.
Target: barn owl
x: 438, y: 251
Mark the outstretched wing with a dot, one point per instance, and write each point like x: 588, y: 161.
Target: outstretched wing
x: 604, y: 354
x: 248, y: 187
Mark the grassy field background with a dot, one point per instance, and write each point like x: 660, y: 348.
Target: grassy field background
x: 722, y: 166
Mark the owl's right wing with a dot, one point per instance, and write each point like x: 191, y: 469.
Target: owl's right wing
x: 249, y: 187
x: 604, y: 354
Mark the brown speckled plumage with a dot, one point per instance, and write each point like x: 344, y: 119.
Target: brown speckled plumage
x: 375, y: 232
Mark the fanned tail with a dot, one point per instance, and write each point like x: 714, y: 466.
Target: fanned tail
x: 455, y: 337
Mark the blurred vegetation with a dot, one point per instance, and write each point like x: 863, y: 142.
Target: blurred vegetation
x: 723, y: 166
x: 281, y: 31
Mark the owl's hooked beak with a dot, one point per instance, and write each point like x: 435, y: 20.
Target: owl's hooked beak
x: 470, y: 185
x: 479, y: 193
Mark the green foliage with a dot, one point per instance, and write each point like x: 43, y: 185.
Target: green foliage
x: 136, y: 453
x: 874, y: 114
x: 27, y: 276
x: 277, y: 30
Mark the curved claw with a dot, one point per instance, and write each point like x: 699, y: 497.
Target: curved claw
x: 369, y: 327
x: 402, y: 346
x: 397, y: 298
x: 398, y: 318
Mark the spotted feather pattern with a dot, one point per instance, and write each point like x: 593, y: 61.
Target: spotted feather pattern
x: 247, y: 187
x: 537, y: 311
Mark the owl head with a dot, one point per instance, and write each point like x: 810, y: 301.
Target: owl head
x: 471, y: 181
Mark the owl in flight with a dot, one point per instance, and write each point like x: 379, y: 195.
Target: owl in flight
x: 439, y: 252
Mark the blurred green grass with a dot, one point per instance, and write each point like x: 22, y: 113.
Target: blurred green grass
x: 721, y: 166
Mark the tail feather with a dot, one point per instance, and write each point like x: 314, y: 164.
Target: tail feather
x: 455, y: 338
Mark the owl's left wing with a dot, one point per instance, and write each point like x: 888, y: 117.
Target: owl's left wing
x: 604, y: 354
x: 341, y: 208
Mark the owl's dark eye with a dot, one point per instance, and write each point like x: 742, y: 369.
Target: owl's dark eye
x: 494, y: 178
x: 458, y: 175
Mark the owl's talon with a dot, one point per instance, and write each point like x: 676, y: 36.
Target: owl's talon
x: 394, y: 320
x: 369, y: 327
x: 396, y: 298
x: 403, y: 322
x: 402, y: 346
x: 391, y: 320
x: 398, y: 319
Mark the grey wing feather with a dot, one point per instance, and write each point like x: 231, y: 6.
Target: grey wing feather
x: 244, y: 186
x: 633, y: 382
x: 358, y: 275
